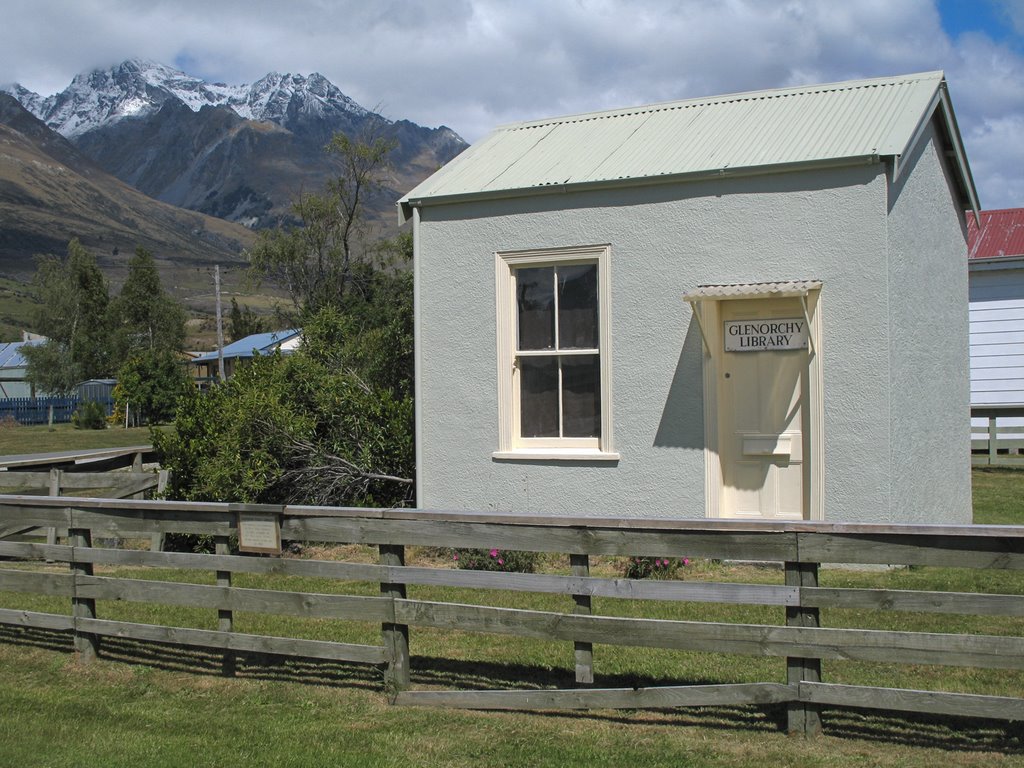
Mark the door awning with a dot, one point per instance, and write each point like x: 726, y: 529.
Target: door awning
x: 780, y: 290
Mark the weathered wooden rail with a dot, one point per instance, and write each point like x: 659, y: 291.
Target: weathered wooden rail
x: 116, y: 473
x: 801, y: 640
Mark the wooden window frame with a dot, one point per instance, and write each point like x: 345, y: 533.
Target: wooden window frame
x: 510, y: 443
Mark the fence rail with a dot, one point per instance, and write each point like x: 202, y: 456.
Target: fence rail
x: 1000, y: 442
x: 799, y: 638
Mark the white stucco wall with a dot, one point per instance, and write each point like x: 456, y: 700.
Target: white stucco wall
x: 928, y: 333
x: 665, y: 240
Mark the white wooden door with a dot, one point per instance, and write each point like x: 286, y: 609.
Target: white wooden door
x: 761, y: 421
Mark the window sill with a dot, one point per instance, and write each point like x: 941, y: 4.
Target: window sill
x: 555, y: 454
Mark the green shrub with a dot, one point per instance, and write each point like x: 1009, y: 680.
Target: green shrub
x: 653, y: 567
x: 508, y: 560
x: 90, y: 415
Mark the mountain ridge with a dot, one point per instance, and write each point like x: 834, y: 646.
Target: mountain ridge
x: 240, y: 152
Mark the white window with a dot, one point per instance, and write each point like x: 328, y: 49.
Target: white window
x: 554, y: 380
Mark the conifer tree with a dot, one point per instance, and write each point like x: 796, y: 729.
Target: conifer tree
x: 73, y: 315
x: 145, y: 317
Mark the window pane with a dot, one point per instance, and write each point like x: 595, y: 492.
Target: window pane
x: 535, y: 294
x: 577, y: 307
x: 581, y: 396
x: 538, y: 396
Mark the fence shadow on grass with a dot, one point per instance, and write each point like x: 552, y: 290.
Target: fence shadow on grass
x: 43, y: 639
x: 950, y: 734
x: 466, y: 674
x: 957, y: 734
x: 248, y: 666
x: 905, y: 729
x: 182, y: 659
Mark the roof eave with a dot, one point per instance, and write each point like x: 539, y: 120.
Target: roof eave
x: 407, y: 204
x: 995, y: 262
x: 965, y: 180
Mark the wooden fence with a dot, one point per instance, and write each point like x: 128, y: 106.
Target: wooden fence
x: 1001, y: 441
x: 36, y: 410
x: 123, y: 477
x: 799, y: 638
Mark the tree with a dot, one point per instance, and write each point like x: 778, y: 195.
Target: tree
x: 50, y: 367
x: 243, y: 322
x: 149, y: 386
x: 145, y: 318
x: 305, y: 428
x: 73, y: 316
x: 314, y: 262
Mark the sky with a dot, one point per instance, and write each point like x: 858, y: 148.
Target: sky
x: 476, y: 64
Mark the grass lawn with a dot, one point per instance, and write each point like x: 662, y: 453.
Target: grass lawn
x: 38, y: 438
x: 998, y: 495
x: 161, y: 706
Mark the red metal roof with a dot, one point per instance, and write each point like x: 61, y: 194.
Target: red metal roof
x: 1002, y: 234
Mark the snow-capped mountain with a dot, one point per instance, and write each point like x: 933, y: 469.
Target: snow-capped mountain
x: 276, y: 96
x: 139, y: 88
x: 239, y: 152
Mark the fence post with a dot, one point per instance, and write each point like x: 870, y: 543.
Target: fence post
x: 86, y: 643
x: 225, y: 619
x: 395, y: 636
x: 584, y: 652
x: 156, y: 540
x: 54, y: 490
x: 993, y: 434
x: 802, y: 718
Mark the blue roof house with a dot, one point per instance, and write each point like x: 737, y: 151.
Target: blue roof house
x: 245, y: 349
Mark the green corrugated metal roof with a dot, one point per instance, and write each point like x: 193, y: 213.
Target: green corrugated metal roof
x: 738, y: 133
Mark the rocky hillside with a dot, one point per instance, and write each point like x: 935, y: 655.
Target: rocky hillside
x: 50, y: 192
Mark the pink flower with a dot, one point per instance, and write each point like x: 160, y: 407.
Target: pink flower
x: 455, y: 557
x: 500, y: 561
x: 686, y: 561
x: 494, y: 553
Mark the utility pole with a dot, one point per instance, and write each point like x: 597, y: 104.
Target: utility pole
x: 220, y: 324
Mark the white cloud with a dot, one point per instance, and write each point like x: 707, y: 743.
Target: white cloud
x: 474, y: 64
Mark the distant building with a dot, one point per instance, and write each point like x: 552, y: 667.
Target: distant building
x: 996, y: 268
x: 99, y: 391
x: 237, y: 352
x: 750, y: 306
x: 13, y: 366
x: 996, y: 263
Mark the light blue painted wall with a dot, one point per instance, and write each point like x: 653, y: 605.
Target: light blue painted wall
x: 665, y: 240
x: 928, y: 332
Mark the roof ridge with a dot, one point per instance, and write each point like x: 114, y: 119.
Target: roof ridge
x: 758, y: 95
x: 865, y: 121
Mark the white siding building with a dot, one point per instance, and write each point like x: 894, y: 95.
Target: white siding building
x: 996, y: 262
x: 746, y: 306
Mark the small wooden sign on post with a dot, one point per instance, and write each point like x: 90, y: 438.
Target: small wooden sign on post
x: 259, y: 529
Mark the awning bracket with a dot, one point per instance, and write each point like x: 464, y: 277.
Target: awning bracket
x: 807, y: 319
x: 700, y: 325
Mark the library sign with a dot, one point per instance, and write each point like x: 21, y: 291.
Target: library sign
x: 765, y: 335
